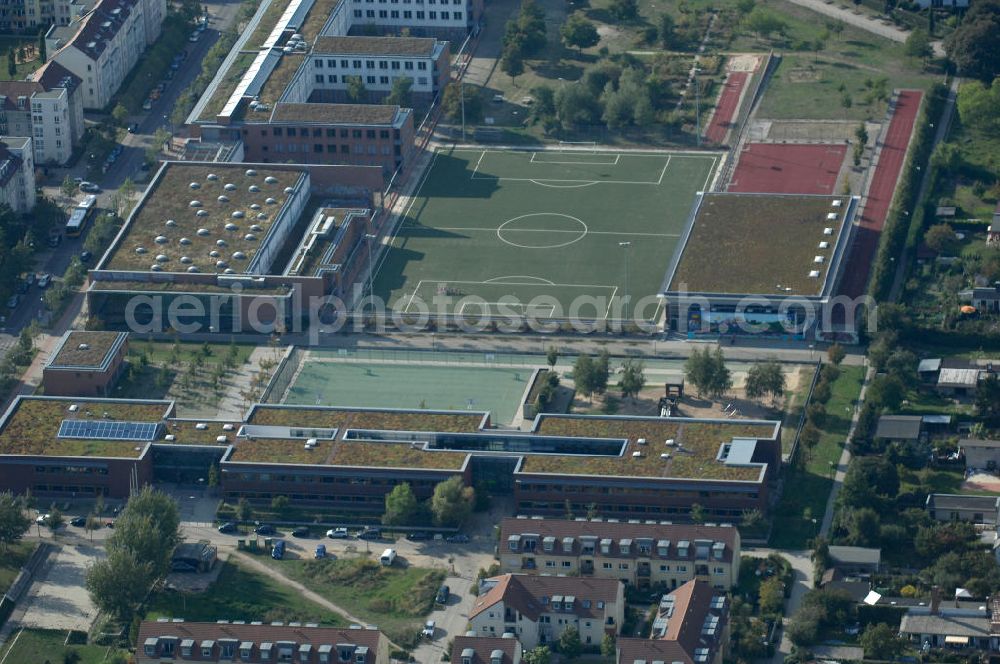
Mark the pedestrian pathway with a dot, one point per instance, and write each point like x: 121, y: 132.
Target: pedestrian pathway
x: 863, y: 21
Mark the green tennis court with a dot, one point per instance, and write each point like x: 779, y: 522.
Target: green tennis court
x: 378, y: 385
x: 546, y: 233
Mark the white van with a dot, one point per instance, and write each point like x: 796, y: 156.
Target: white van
x: 388, y: 557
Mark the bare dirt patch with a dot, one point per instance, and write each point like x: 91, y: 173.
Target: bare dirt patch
x: 982, y: 482
x: 742, y: 62
x: 803, y: 75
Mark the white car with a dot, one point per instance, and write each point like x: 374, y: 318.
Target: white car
x: 337, y: 533
x: 195, y: 36
x: 42, y: 519
x: 428, y: 630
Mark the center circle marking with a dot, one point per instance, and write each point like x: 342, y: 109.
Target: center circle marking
x: 576, y: 233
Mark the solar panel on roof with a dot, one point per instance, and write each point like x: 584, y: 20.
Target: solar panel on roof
x: 108, y: 430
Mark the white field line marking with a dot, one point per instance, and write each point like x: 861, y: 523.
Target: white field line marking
x: 515, y: 283
x: 476, y: 169
x: 499, y: 280
x: 577, y: 163
x: 416, y: 290
x: 660, y: 181
x: 565, y: 186
x: 524, y: 307
x: 611, y: 300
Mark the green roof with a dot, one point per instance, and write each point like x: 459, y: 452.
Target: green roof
x: 84, y: 348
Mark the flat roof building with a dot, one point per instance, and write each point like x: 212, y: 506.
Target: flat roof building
x: 85, y: 363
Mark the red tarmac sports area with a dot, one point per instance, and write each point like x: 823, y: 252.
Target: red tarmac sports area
x: 729, y: 100
x: 782, y: 168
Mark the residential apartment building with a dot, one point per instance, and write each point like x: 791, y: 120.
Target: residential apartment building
x: 103, y: 46
x: 691, y: 627
x: 223, y: 641
x: 378, y: 61
x: 25, y: 15
x: 639, y: 553
x: 49, y: 109
x: 17, y: 173
x: 352, y: 134
x: 475, y: 649
x: 538, y: 609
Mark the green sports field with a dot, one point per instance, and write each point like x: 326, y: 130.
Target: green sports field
x: 540, y: 233
x: 399, y: 385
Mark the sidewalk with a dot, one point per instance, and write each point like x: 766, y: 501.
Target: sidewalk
x: 863, y: 21
x: 845, y: 458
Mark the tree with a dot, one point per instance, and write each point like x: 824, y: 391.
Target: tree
x: 863, y: 527
x: 772, y: 596
x: 13, y: 520
x: 918, y: 45
x: 119, y: 582
x: 119, y: 114
x: 576, y: 106
x: 55, y: 521
x: 401, y: 506
x: 11, y: 63
x: 552, y: 356
x: 765, y: 379
x: 213, y: 475
x: 244, y: 511
x: 608, y: 648
x: 698, y: 513
x: 633, y: 379
x: 667, y: 31
x: 579, y: 32
x: 68, y: 187
x: 600, y: 370
x: 836, y: 354
x: 698, y: 370
x: 538, y: 655
x: 869, y: 480
x: 569, y: 645
x: 452, y: 102
x: 512, y: 63
x: 887, y: 392
x: 452, y: 502
x: 881, y: 642
x: 941, y: 238
x: 722, y: 378
x: 356, y: 89
x: 42, y: 56
x: 583, y: 375
x: 400, y: 94
x: 764, y: 23
x: 624, y: 10
x: 979, y: 108
x: 150, y: 529
x: 279, y: 504
x: 974, y: 46
x: 91, y: 524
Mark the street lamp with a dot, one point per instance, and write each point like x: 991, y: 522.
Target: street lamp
x: 626, y: 246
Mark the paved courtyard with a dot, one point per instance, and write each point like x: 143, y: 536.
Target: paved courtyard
x: 58, y: 598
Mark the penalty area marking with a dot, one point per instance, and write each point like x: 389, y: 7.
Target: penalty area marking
x: 534, y: 159
x: 543, y: 310
x: 493, y: 282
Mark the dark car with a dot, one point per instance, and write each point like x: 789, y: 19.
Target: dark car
x: 278, y: 552
x: 458, y: 538
x: 109, y: 524
x: 443, y: 594
x: 370, y: 534
x: 301, y: 531
x: 418, y: 536
x: 265, y: 529
x: 78, y: 522
x: 85, y: 256
x: 227, y: 527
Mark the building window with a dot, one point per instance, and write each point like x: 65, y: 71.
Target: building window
x: 394, y: 14
x: 370, y: 13
x: 408, y: 66
x: 444, y: 16
x: 422, y: 66
x: 291, y: 132
x: 317, y: 147
x: 458, y: 16
x: 319, y: 78
x: 371, y: 80
x: 358, y: 13
x: 384, y: 80
x: 407, y: 14
x: 369, y: 64
x: 357, y: 64
x: 422, y: 80
x: 277, y: 131
x: 331, y: 78
x: 383, y: 64
x: 345, y: 148
x: 331, y: 63
x: 432, y: 15
x: 343, y: 64
x: 420, y: 15
x: 318, y: 63
x: 383, y: 133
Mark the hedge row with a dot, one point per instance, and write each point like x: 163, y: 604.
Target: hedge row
x: 897, y: 232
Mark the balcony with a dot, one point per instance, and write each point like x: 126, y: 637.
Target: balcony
x: 528, y: 563
x: 586, y: 567
x: 643, y: 570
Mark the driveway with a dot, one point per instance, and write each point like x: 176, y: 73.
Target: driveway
x: 58, y: 598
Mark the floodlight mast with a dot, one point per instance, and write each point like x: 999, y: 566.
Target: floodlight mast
x: 627, y: 246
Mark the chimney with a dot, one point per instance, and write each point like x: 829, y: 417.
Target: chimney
x: 935, y: 599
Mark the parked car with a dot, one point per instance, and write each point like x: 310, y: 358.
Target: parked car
x: 320, y: 551
x: 85, y: 256
x: 227, y: 527
x: 265, y: 529
x: 428, y: 630
x: 337, y: 533
x: 78, y: 521
x: 42, y: 519
x: 443, y: 595
x: 147, y: 105
x: 457, y: 538
x: 370, y: 534
x: 195, y: 36
x: 278, y: 550
x: 13, y: 301
x: 89, y: 187
x: 44, y: 280
x: 109, y: 524
x: 29, y: 278
x: 418, y: 536
x: 301, y: 531
x: 388, y: 557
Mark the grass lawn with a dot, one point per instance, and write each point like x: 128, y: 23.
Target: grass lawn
x: 11, y: 560
x: 33, y: 646
x: 241, y: 594
x: 395, y: 598
x: 159, y: 370
x: 502, y: 226
x: 807, y: 488
x: 30, y: 63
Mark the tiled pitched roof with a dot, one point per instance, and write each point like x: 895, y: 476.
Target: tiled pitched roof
x: 54, y: 75
x: 482, y: 648
x: 101, y: 25
x: 632, y: 650
x: 682, y: 631
x: 200, y: 633
x: 10, y: 163
x: 530, y: 595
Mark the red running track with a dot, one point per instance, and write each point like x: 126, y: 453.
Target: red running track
x: 729, y: 99
x: 780, y: 168
x: 880, y: 191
